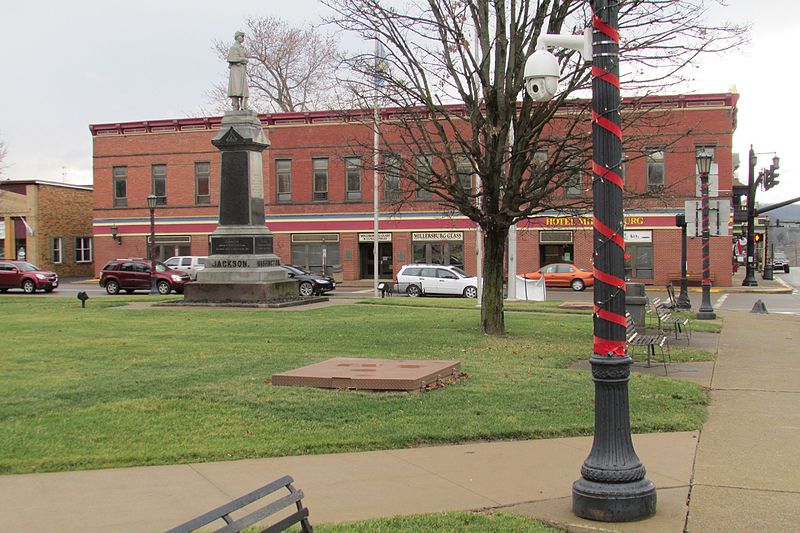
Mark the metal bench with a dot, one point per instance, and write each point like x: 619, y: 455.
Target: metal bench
x: 257, y: 516
x: 666, y: 320
x: 650, y: 342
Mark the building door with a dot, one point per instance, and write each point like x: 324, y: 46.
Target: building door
x: 385, y: 260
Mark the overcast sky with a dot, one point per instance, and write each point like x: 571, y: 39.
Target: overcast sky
x: 70, y: 64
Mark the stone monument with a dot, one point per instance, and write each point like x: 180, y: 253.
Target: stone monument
x: 242, y: 267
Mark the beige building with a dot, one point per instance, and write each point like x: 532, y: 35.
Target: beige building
x: 48, y: 224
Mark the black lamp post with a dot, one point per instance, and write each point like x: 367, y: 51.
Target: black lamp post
x: 612, y: 486
x: 750, y: 277
x: 151, y: 249
x: 706, y: 311
x: 683, y: 301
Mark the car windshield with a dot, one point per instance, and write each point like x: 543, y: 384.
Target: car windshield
x: 27, y: 267
x: 161, y: 267
x: 293, y: 270
x: 459, y: 272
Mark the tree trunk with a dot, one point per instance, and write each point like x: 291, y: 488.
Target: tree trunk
x: 492, y: 319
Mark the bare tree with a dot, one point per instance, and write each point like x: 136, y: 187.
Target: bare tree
x: 455, y: 70
x: 3, y: 153
x: 289, y: 68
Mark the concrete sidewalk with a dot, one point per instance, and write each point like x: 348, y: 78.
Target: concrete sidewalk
x: 747, y: 474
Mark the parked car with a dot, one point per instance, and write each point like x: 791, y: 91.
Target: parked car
x: 191, y: 264
x: 134, y: 275
x: 25, y: 276
x: 310, y: 284
x: 779, y: 262
x: 418, y: 279
x: 563, y: 275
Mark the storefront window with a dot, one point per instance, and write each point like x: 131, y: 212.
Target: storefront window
x: 639, y: 260
x: 316, y: 253
x: 447, y: 251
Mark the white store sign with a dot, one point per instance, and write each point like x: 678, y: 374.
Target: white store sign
x: 639, y: 236
x: 370, y: 237
x: 438, y: 236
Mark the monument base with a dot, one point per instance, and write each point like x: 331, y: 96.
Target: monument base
x: 233, y: 292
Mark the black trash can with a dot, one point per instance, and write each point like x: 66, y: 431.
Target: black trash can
x: 636, y: 303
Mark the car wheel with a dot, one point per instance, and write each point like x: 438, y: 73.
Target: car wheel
x: 112, y: 287
x: 413, y: 291
x: 306, y: 289
x: 163, y: 287
x: 786, y: 268
x: 471, y: 292
x: 28, y: 286
x: 577, y: 284
x: 3, y: 290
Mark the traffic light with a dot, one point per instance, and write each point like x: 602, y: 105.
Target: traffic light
x: 772, y: 173
x: 757, y: 238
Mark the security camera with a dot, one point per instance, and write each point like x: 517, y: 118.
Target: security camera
x: 541, y: 75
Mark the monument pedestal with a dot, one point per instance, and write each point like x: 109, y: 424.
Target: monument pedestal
x: 242, y: 266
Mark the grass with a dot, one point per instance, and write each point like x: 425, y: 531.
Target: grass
x: 442, y: 522
x: 111, y: 386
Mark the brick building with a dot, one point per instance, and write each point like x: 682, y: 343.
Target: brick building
x: 318, y: 192
x: 51, y: 222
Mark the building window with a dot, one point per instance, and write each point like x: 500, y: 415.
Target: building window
x: 120, y: 177
x: 57, y: 250
x: 202, y: 183
x: 352, y: 170
x: 424, y: 172
x: 464, y: 173
x: 655, y: 168
x: 283, y: 175
x: 320, y: 168
x: 159, y: 173
x: 83, y: 249
x: 391, y: 178
x: 639, y: 254
x: 572, y: 185
x: 317, y: 253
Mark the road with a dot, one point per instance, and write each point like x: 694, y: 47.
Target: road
x: 775, y: 303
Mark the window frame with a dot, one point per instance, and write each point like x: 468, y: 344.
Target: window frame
x: 319, y: 195
x: 83, y: 246
x: 283, y: 196
x: 159, y: 180
x: 391, y: 177
x: 352, y: 165
x: 202, y: 199
x: 652, y: 163
x: 119, y: 174
x: 57, y: 250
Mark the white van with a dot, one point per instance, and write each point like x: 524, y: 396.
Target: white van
x: 191, y: 264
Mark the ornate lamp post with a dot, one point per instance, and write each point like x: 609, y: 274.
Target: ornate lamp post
x: 151, y: 249
x: 706, y: 311
x: 613, y: 486
x: 683, y: 301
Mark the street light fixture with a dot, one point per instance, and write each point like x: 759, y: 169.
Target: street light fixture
x: 683, y: 302
x: 706, y: 311
x: 115, y: 234
x: 152, y: 200
x: 613, y: 486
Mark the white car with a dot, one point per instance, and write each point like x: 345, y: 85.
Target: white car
x: 191, y: 264
x: 419, y: 279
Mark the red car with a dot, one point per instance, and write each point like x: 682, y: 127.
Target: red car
x: 563, y: 275
x: 25, y: 276
x: 134, y: 275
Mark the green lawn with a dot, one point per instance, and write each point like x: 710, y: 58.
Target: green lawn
x: 443, y: 523
x: 113, y: 386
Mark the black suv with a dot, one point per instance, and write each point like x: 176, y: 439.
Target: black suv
x: 134, y: 275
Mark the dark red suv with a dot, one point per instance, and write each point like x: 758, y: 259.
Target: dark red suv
x: 134, y: 275
x: 25, y: 276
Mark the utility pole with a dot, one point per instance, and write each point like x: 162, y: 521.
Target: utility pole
x: 750, y: 277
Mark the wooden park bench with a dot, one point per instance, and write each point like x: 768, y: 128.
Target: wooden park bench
x: 691, y: 278
x: 300, y: 516
x: 650, y: 342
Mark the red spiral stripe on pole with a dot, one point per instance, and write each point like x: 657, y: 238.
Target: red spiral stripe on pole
x: 610, y: 234
x: 607, y: 174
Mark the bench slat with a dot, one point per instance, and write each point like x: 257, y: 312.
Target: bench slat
x: 259, y: 514
x: 238, y: 503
